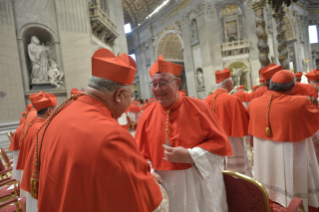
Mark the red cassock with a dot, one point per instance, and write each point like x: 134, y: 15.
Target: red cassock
x: 230, y: 112
x: 90, y: 163
x: 304, y: 90
x: 242, y: 96
x: 16, y: 139
x: 27, y: 142
x: 192, y: 123
x: 144, y: 106
x: 30, y: 117
x: 289, y: 127
x: 260, y: 91
x: 22, y: 120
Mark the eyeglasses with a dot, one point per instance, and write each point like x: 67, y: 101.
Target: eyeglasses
x: 162, y: 85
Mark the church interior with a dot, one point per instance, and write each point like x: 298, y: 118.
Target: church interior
x: 48, y: 46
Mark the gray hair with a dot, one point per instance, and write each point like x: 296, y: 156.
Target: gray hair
x: 223, y: 83
x: 104, y: 84
x: 281, y: 87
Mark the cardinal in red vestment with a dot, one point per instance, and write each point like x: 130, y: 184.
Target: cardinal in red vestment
x: 282, y: 127
x: 45, y: 104
x: 15, y: 144
x: 234, y: 118
x: 184, y: 143
x: 88, y: 162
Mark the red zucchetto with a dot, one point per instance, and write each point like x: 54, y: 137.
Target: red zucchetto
x: 282, y: 77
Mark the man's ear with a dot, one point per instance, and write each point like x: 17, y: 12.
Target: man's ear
x: 178, y: 82
x: 119, y: 95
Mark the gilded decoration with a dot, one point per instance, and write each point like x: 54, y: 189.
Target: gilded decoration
x: 136, y: 11
x: 170, y: 47
x: 262, y: 46
x: 230, y: 9
x: 289, y: 33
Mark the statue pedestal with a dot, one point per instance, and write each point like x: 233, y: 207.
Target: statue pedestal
x: 41, y: 86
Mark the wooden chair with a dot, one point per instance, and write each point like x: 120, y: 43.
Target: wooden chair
x: 14, y: 205
x: 245, y: 194
x: 6, y: 158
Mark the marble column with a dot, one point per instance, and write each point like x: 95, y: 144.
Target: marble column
x: 210, y: 44
x: 258, y: 7
x: 282, y: 43
x: 115, y: 10
x: 188, y: 58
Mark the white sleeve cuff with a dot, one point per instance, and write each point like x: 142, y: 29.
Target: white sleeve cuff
x: 151, y: 166
x: 199, y: 155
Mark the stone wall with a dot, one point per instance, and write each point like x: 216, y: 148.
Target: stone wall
x: 75, y: 37
x: 11, y: 87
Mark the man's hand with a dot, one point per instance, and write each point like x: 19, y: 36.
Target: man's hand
x: 176, y: 154
x: 314, y: 101
x: 157, y: 177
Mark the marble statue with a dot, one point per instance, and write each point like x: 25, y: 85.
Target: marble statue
x: 194, y: 29
x: 55, y: 76
x: 37, y: 54
x: 44, y: 69
x: 238, y: 76
x: 200, y: 79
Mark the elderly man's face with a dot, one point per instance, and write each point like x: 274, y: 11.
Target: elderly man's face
x: 165, y: 87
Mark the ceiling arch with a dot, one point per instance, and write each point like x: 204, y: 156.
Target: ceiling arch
x: 136, y: 11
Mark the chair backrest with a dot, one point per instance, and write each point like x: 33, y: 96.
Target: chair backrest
x: 244, y: 193
x: 2, y: 167
x: 5, y: 156
x: 10, y: 135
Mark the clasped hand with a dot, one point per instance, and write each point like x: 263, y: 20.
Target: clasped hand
x: 176, y: 154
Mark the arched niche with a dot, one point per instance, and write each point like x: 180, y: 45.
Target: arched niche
x: 48, y: 38
x: 45, y: 38
x: 231, y: 21
x: 170, y: 45
x: 200, y: 82
x: 240, y: 72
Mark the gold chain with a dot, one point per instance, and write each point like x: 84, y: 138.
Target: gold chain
x: 167, y: 120
x: 48, y: 121
x: 35, y: 175
x: 268, y: 130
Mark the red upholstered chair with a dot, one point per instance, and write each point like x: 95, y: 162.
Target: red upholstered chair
x: 245, y: 194
x: 4, y: 172
x: 6, y: 158
x: 6, y: 194
x: 14, y: 205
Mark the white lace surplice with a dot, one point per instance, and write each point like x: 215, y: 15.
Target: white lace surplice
x: 31, y: 204
x: 199, y: 189
x: 16, y: 174
x: 238, y: 162
x: 287, y: 170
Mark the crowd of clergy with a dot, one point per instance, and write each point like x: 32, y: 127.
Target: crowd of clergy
x: 80, y: 156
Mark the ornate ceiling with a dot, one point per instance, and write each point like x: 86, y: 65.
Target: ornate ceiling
x: 135, y: 11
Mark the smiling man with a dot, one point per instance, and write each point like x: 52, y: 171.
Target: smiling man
x: 184, y: 144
